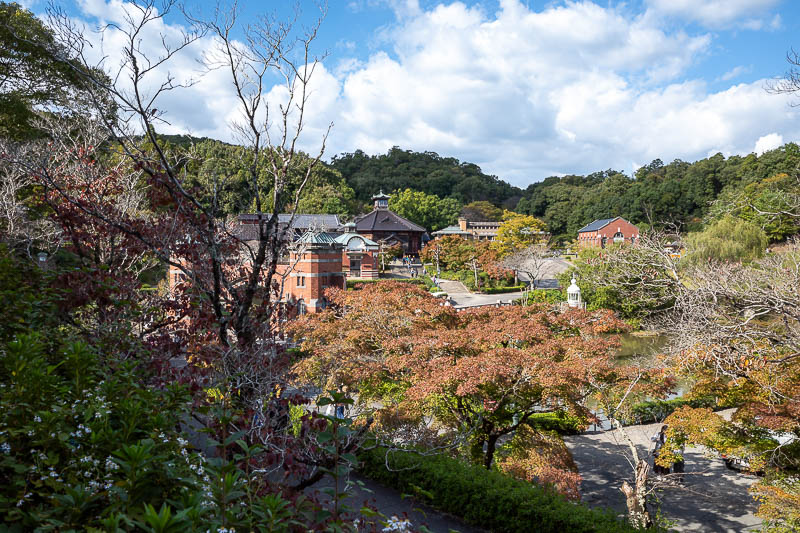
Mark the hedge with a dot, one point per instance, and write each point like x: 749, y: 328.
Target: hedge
x: 351, y: 283
x: 484, y: 498
x: 657, y: 410
x: 500, y: 290
x: 560, y: 422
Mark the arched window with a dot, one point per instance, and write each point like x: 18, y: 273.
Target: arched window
x: 619, y: 237
x: 356, y: 244
x: 301, y: 307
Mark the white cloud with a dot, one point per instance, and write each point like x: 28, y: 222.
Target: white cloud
x: 749, y: 14
x: 768, y: 142
x: 525, y: 94
x: 735, y: 72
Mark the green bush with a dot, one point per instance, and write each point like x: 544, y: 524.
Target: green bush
x: 560, y: 422
x: 653, y: 411
x: 546, y: 296
x: 467, y: 277
x: 354, y: 283
x: 501, y: 290
x: 484, y: 498
x: 86, y: 446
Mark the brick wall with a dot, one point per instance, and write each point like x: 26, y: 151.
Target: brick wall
x: 618, y: 230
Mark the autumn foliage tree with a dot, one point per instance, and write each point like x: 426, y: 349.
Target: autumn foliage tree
x: 454, y: 253
x: 474, y: 376
x: 518, y: 232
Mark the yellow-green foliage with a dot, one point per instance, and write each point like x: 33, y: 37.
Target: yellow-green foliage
x: 728, y: 239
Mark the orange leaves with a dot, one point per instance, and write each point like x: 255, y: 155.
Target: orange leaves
x: 544, y: 458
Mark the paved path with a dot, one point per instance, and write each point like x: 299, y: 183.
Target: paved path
x: 452, y: 288
x: 470, y: 299
x: 549, y: 270
x: 713, y: 498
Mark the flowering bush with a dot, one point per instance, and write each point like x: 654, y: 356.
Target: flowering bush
x: 85, y: 445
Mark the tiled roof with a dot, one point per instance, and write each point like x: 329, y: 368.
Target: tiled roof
x: 313, y: 237
x: 451, y: 230
x: 301, y: 221
x: 246, y: 232
x: 345, y: 238
x: 597, y: 224
x: 385, y: 220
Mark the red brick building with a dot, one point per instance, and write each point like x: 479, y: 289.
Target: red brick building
x: 322, y: 260
x: 313, y: 265
x: 603, y: 232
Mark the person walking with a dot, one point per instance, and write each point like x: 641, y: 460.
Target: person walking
x: 660, y: 439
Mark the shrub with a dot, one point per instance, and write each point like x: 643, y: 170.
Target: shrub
x: 546, y: 296
x: 87, y: 446
x: 501, y: 290
x: 560, y: 422
x: 484, y: 498
x: 653, y: 411
x: 354, y: 283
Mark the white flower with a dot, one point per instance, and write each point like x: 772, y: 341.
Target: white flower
x: 395, y: 524
x: 37, y: 418
x: 6, y: 447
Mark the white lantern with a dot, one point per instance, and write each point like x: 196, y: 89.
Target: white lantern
x: 574, y: 294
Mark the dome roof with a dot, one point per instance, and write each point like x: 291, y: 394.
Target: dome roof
x: 573, y: 288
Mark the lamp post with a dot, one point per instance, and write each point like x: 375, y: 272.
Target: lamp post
x: 574, y: 295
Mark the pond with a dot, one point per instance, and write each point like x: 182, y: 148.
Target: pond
x: 639, y: 344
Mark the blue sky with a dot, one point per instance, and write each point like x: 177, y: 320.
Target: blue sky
x: 528, y: 89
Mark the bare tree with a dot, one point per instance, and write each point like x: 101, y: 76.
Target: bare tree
x: 790, y: 82
x: 231, y: 290
x: 531, y: 261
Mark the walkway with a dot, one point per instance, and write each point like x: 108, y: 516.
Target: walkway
x: 712, y: 497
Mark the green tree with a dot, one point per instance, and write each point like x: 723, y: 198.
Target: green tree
x: 428, y: 172
x: 773, y: 204
x: 482, y: 211
x: 427, y: 210
x: 728, y: 239
x: 31, y: 78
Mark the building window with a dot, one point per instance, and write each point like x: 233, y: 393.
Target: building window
x: 301, y: 281
x: 619, y: 237
x: 301, y: 307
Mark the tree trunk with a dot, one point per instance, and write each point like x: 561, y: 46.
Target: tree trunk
x: 636, y: 498
x: 491, y: 444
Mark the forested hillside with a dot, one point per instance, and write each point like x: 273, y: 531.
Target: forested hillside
x: 678, y: 192
x: 686, y: 194
x: 423, y: 171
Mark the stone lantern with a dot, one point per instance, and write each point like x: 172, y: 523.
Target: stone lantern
x: 574, y: 295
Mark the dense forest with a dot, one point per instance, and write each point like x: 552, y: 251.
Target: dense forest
x: 677, y: 193
x: 423, y: 171
x: 687, y: 195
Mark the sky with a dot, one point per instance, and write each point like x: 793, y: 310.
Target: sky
x: 525, y: 89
